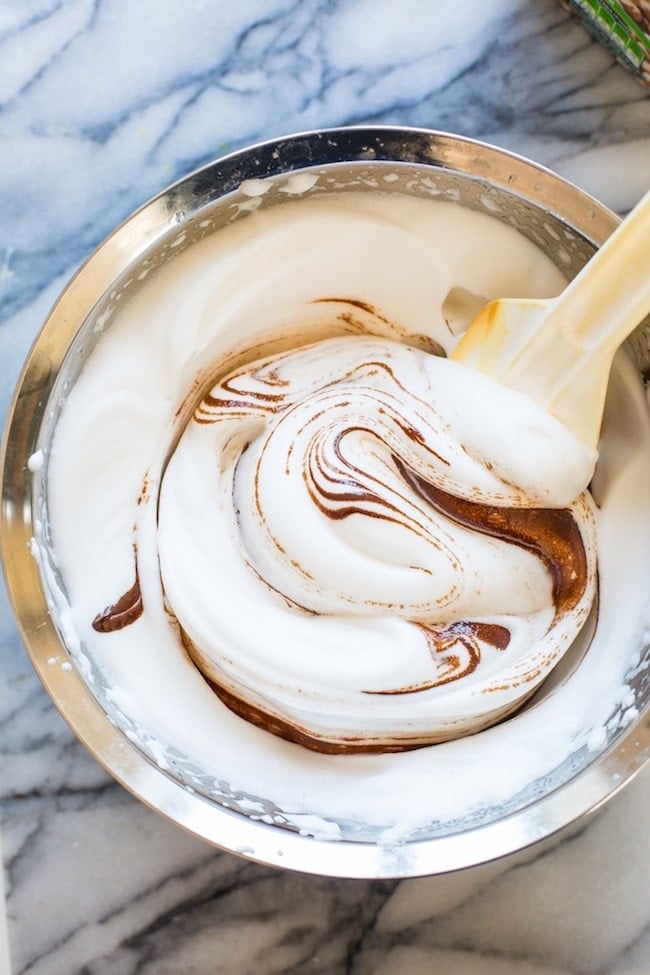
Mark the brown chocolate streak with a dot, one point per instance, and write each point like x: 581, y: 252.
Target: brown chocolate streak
x: 125, y: 611
x: 290, y: 732
x: 354, y: 303
x: 441, y: 641
x: 356, y: 491
x: 551, y: 534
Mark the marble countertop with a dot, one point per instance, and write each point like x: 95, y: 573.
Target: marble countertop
x: 103, y: 103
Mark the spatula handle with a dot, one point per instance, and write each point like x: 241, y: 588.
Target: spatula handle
x: 583, y: 326
x: 559, y: 351
x: 611, y: 295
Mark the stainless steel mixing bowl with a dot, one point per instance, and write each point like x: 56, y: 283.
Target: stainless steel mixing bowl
x: 561, y: 219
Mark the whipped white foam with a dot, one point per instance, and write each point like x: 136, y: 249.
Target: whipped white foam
x: 349, y: 552
x: 288, y: 275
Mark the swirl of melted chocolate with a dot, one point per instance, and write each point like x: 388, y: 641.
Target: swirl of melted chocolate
x: 348, y: 568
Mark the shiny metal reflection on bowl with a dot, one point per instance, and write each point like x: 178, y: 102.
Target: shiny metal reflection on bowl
x: 535, y: 201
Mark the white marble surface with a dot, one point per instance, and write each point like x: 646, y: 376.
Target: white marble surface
x: 102, y: 103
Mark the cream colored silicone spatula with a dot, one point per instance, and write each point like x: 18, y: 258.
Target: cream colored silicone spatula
x: 560, y: 350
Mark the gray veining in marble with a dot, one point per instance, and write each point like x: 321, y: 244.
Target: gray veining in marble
x: 102, y: 104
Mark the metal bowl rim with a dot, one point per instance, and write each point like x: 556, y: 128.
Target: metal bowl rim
x: 222, y: 828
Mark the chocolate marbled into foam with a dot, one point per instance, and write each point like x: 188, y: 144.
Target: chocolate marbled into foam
x: 350, y: 434
x: 384, y: 264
